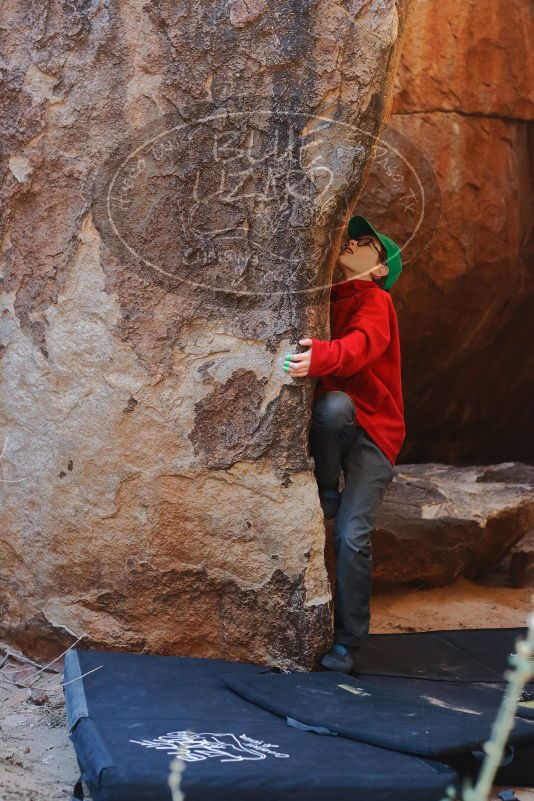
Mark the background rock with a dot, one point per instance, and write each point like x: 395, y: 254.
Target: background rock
x: 522, y: 562
x: 464, y: 101
x: 438, y: 522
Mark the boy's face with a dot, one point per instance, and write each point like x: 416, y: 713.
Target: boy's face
x: 359, y: 255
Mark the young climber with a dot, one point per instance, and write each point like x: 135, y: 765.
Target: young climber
x: 357, y: 421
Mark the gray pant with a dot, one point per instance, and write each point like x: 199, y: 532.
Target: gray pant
x: 338, y: 442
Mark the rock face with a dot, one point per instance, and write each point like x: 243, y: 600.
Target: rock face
x: 438, y: 522
x: 176, y: 183
x: 463, y: 109
x: 521, y: 562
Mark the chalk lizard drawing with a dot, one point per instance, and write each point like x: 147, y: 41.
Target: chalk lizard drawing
x: 197, y: 746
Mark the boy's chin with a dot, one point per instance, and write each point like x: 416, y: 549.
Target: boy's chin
x: 342, y: 275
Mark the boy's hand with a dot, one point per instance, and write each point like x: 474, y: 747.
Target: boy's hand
x: 298, y: 364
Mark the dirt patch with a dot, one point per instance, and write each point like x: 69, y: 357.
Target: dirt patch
x: 463, y: 604
x: 37, y: 760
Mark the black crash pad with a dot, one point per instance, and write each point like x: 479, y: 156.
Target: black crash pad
x: 416, y: 716
x: 453, y: 655
x: 456, y: 655
x: 517, y: 765
x: 129, y: 713
x: 463, y: 655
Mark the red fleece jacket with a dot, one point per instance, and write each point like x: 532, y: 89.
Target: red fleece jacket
x: 363, y: 360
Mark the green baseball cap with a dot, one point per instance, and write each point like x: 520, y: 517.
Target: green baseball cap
x: 360, y: 225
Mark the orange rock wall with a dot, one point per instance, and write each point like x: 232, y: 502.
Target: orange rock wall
x: 464, y: 97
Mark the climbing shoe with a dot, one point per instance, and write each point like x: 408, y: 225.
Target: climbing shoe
x: 340, y: 657
x: 330, y: 500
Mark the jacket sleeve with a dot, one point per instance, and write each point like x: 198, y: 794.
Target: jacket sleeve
x: 367, y: 338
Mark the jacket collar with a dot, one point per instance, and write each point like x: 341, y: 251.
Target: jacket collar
x: 344, y: 289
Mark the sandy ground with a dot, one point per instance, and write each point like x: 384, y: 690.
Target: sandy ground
x: 463, y: 604
x: 37, y: 760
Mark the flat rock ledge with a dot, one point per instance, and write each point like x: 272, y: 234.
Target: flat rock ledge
x: 439, y: 521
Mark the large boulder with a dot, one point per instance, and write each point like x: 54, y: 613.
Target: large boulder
x: 175, y: 188
x: 438, y: 522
